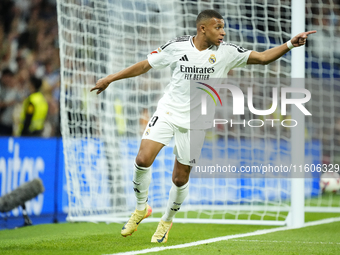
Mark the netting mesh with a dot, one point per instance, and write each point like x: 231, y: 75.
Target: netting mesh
x: 101, y: 134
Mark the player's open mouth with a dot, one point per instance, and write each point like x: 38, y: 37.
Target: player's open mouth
x: 220, y: 40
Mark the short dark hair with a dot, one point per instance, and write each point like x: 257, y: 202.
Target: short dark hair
x: 208, y: 14
x: 36, y: 82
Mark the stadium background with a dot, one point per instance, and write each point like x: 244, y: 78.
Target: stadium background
x: 29, y: 45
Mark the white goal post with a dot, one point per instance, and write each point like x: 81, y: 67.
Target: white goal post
x: 101, y: 134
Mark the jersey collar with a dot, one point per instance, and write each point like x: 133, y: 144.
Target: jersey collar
x: 193, y: 45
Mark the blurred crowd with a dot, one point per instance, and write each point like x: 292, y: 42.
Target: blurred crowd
x: 29, y: 68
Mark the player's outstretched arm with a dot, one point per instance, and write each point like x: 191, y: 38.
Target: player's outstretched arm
x: 273, y: 54
x: 132, y: 71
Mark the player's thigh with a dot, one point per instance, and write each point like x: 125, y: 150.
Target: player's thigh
x: 188, y: 145
x: 147, y: 153
x: 158, y: 133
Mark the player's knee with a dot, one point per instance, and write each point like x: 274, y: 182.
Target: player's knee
x: 143, y: 161
x: 180, y: 181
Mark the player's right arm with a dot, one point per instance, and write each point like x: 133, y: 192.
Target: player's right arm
x: 132, y: 71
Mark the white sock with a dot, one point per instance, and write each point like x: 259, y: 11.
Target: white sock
x: 176, y: 198
x: 141, y: 182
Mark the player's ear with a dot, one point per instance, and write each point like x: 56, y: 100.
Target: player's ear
x: 202, y: 28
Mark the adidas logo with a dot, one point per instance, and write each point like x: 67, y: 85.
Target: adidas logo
x: 136, y: 190
x: 172, y: 209
x: 136, y: 183
x: 192, y: 161
x: 184, y: 58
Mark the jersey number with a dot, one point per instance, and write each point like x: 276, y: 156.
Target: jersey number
x: 153, y: 121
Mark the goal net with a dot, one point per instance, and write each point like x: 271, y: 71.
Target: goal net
x: 101, y: 133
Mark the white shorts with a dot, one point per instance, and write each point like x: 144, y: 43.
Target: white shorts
x: 160, y: 129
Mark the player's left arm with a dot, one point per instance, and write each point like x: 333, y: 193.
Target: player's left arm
x: 268, y: 56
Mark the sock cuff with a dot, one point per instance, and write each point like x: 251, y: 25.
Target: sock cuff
x: 141, y: 168
x: 181, y: 187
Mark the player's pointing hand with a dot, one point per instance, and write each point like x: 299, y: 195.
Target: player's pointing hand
x: 301, y: 38
x: 101, y: 85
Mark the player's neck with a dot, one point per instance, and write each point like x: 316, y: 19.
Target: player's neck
x: 200, y: 43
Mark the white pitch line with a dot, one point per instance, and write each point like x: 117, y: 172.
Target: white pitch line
x: 224, y: 238
x: 274, y: 241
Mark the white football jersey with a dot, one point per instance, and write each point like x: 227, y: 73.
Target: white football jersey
x: 187, y: 64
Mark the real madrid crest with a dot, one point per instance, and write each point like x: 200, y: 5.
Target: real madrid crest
x: 147, y: 131
x: 212, y: 59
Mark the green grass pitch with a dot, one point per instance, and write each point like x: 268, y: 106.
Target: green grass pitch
x: 91, y: 238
